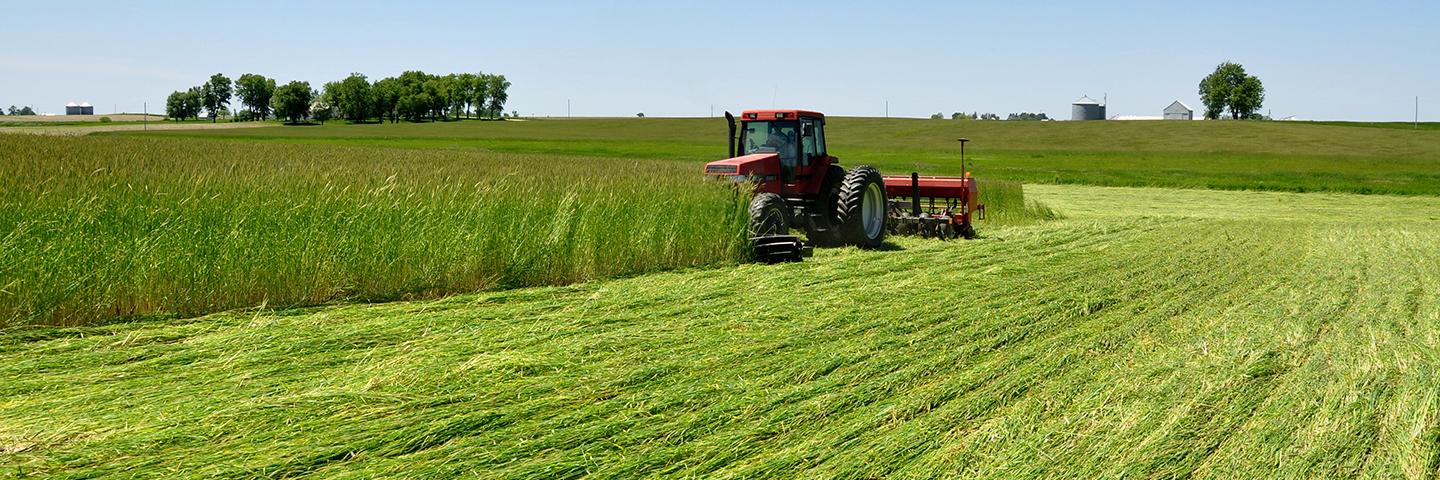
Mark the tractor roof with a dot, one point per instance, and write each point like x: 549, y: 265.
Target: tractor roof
x: 784, y: 114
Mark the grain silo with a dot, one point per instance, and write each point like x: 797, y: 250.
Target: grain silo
x: 1087, y: 108
x: 83, y: 108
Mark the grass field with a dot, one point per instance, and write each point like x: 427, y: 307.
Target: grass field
x: 98, y: 229
x: 607, y: 327
x: 1151, y: 333
x: 103, y: 228
x: 1280, y: 156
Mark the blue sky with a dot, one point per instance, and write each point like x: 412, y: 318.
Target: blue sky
x: 1318, y: 60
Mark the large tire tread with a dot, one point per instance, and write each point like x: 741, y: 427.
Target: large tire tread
x: 767, y: 215
x: 849, y: 206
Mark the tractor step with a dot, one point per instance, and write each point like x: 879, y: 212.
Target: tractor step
x: 780, y: 248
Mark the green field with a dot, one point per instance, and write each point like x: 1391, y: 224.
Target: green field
x: 1282, y: 156
x: 1149, y: 334
x: 1145, y: 332
x: 101, y: 229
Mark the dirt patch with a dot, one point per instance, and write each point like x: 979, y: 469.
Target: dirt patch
x: 114, y: 117
x: 88, y: 129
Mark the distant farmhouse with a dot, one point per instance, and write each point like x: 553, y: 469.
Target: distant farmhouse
x: 1179, y: 111
x: 83, y: 108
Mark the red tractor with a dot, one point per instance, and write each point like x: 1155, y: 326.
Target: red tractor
x: 798, y: 184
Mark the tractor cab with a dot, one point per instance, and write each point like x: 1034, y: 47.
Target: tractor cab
x: 781, y: 150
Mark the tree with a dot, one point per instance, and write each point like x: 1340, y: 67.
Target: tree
x: 325, y: 104
x: 960, y: 116
x: 465, y: 89
x: 255, y: 92
x: 415, y: 106
x: 479, y: 91
x: 495, y: 90
x: 216, y: 95
x: 1230, y: 88
x: 455, y: 91
x: 322, y: 110
x: 386, y: 95
x: 1248, y: 98
x: 292, y: 101
x: 25, y: 110
x: 183, y: 105
x: 640, y: 115
x: 438, y: 91
x: 415, y: 95
x: 352, y: 97
x: 937, y: 116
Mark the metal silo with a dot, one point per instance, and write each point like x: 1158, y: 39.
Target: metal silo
x: 1087, y: 108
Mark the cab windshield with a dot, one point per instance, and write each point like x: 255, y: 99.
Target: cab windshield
x: 770, y: 137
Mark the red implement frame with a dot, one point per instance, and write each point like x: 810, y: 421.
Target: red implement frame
x: 933, y: 206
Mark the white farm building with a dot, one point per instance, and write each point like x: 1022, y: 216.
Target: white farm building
x: 1179, y: 111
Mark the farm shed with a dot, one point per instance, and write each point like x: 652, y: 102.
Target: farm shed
x: 1087, y: 108
x: 1179, y: 111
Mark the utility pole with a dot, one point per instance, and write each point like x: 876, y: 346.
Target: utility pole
x: 145, y: 116
x: 887, y: 109
x: 1417, y: 112
x: 567, y: 108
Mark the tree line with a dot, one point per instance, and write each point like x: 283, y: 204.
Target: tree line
x: 18, y: 111
x: 988, y: 116
x: 412, y: 96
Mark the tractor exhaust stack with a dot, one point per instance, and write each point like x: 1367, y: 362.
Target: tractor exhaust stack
x: 731, y: 143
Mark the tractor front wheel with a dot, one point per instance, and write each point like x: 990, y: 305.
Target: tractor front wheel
x: 860, y: 208
x: 767, y: 215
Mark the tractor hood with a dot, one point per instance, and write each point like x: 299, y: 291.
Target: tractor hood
x: 756, y: 166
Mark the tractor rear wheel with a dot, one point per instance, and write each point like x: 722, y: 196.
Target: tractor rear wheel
x: 860, y: 208
x: 767, y: 215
